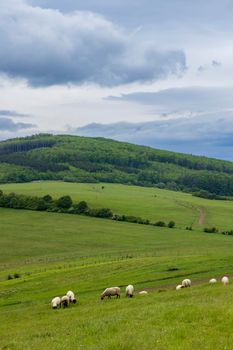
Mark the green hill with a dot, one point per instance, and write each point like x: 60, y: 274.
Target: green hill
x: 82, y: 159
x: 146, y: 202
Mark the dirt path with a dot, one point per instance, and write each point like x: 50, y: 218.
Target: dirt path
x: 200, y: 220
x: 202, y: 215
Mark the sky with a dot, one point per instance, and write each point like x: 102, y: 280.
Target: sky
x: 151, y: 72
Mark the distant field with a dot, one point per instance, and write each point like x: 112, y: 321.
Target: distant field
x: 56, y: 252
x: 151, y: 203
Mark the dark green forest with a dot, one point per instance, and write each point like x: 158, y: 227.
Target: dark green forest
x: 84, y: 159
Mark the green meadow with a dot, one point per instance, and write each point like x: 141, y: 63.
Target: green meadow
x: 54, y: 253
x: 150, y: 203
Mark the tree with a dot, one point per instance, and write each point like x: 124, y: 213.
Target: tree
x: 171, y: 224
x: 64, y: 202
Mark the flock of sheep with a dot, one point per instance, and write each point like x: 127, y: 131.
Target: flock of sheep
x: 187, y: 282
x: 115, y: 291
x: 63, y: 301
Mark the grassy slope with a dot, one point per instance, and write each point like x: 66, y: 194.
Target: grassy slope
x: 151, y: 203
x: 57, y: 252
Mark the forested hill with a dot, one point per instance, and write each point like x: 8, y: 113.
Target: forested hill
x: 83, y: 159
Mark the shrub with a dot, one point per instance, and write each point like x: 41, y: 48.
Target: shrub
x: 64, y: 202
x: 210, y: 230
x: 16, y: 275
x: 160, y: 224
x: 80, y: 208
x: 189, y: 228
x: 47, y: 198
x: 228, y: 233
x: 10, y: 277
x: 171, y: 224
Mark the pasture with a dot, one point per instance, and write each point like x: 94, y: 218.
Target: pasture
x: 149, y: 203
x: 54, y: 253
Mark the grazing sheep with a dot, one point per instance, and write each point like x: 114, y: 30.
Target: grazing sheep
x: 143, y: 292
x: 65, y: 301
x: 225, y: 280
x: 186, y: 283
x: 71, y: 297
x: 179, y: 287
x: 108, y: 292
x: 56, y: 302
x: 213, y: 280
x: 129, y: 290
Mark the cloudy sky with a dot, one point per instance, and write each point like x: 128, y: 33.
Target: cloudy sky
x: 152, y: 72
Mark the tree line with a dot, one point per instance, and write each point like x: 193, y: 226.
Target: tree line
x: 65, y: 205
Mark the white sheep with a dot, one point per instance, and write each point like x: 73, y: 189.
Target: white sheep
x: 179, y: 286
x: 65, y: 301
x: 186, y: 283
x: 71, y: 297
x: 129, y: 290
x: 143, y: 292
x: 56, y: 302
x: 212, y: 281
x: 108, y: 292
x: 225, y: 280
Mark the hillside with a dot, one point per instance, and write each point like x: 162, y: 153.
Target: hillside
x: 52, y: 253
x: 147, y: 202
x: 82, y: 159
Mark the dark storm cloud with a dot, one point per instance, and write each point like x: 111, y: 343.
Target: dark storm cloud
x: 188, y: 99
x: 210, y: 135
x: 6, y: 124
x: 8, y: 113
x: 47, y: 47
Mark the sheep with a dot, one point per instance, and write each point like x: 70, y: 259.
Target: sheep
x: 225, y: 280
x: 179, y: 287
x: 212, y: 280
x: 71, y: 297
x: 143, y: 292
x: 108, y: 292
x: 129, y: 290
x: 56, y: 302
x: 65, y: 301
x: 186, y: 283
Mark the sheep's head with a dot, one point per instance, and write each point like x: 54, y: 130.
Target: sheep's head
x: 74, y: 301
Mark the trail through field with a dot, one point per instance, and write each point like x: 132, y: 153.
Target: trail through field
x: 202, y: 214
x: 200, y: 220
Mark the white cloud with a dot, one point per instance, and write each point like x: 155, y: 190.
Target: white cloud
x: 47, y: 47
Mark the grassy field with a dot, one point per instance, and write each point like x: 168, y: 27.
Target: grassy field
x: 57, y: 252
x: 151, y: 203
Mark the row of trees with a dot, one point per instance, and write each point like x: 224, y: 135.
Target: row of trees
x: 65, y: 204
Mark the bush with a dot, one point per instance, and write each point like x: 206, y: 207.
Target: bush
x: 171, y: 224
x: 10, y: 277
x: 118, y: 217
x: 211, y: 230
x: 189, y: 228
x: 64, y: 202
x: 47, y: 198
x: 80, y: 208
x: 100, y: 213
x: 16, y: 275
x: 228, y: 233
x: 160, y: 224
